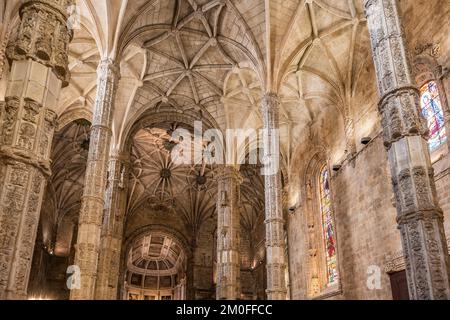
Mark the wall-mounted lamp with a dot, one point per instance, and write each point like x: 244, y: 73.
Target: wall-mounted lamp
x: 294, y: 207
x: 337, y: 167
x: 366, y: 140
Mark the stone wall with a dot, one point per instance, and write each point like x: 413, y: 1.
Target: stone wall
x: 365, y: 226
x: 365, y: 222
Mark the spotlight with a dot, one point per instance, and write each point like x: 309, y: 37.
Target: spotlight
x: 366, y: 140
x: 337, y: 167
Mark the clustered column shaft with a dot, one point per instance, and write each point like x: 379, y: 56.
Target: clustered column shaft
x: 112, y: 232
x: 228, y: 235
x: 275, y: 240
x: 93, y: 200
x: 420, y: 219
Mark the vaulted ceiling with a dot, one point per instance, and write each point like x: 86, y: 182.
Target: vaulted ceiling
x: 214, y: 59
x: 217, y: 57
x: 62, y: 200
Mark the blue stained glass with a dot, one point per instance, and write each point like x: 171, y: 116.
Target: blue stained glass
x: 432, y: 111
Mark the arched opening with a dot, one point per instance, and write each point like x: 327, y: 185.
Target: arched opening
x: 328, y: 227
x: 58, y: 227
x: 166, y: 194
x: 156, y: 268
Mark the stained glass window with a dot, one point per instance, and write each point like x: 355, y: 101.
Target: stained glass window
x: 328, y: 227
x: 433, y: 113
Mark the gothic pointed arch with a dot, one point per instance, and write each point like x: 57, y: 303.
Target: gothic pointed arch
x: 321, y: 241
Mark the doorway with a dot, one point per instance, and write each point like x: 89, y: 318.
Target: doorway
x: 399, y: 285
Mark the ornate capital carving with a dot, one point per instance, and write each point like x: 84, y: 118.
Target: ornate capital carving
x: 44, y: 36
x: 229, y: 173
x: 270, y: 103
x: 400, y: 115
x: 415, y: 196
x: 107, y: 68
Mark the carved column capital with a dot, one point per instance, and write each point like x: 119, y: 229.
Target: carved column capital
x: 108, y: 68
x: 44, y: 36
x: 270, y: 100
x: 229, y: 173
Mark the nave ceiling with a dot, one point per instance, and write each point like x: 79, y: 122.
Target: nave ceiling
x: 213, y: 60
x: 216, y: 58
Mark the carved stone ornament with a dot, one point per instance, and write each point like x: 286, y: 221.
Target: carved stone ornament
x: 43, y: 35
x: 420, y: 219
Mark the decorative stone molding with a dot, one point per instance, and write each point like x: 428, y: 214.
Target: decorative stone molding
x: 431, y: 49
x: 3, y: 59
x: 399, y: 109
x: 394, y: 263
x: 44, y: 36
x: 70, y: 117
x: 317, y: 286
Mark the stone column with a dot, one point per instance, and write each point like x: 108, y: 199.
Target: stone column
x: 38, y: 56
x: 228, y: 234
x: 112, y: 230
x: 420, y: 219
x: 93, y: 200
x: 275, y: 245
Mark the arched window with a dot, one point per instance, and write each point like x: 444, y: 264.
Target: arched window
x: 432, y: 111
x: 328, y: 227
